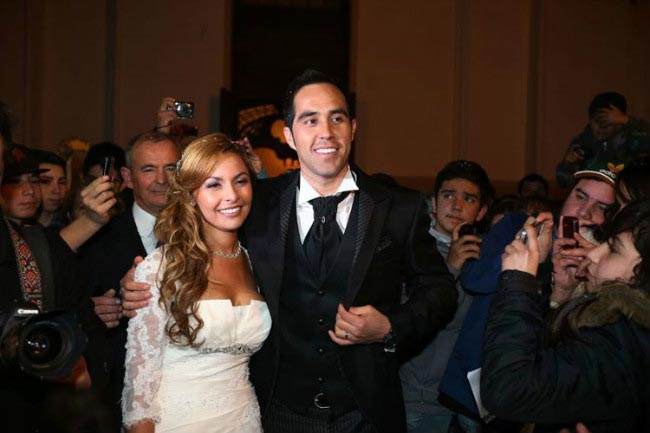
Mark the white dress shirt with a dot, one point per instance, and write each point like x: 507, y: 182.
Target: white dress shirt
x: 305, y: 211
x: 145, y: 222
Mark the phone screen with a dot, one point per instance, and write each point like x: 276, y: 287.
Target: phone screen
x: 569, y: 226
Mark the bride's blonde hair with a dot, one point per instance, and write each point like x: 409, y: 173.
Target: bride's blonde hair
x: 179, y: 229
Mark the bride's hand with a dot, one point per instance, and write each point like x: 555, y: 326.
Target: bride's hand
x: 522, y: 256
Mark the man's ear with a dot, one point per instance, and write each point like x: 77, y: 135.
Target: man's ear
x: 288, y: 135
x: 354, y: 128
x: 433, y: 205
x: 481, y: 213
x: 126, y: 175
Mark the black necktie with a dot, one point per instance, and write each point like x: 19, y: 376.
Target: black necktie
x: 324, y: 237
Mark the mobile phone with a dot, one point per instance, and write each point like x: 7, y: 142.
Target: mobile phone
x: 107, y: 166
x: 570, y: 226
x: 466, y: 229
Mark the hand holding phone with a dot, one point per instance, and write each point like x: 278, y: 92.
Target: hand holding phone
x: 107, y: 166
x: 569, y: 226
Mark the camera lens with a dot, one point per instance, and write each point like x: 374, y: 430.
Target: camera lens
x: 42, y: 343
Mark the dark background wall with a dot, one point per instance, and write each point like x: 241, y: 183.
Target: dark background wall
x: 505, y: 83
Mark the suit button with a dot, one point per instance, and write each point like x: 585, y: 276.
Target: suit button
x: 321, y: 380
x: 320, y: 350
x: 321, y: 292
x: 321, y: 322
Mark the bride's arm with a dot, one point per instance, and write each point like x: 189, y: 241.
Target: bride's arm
x: 144, y: 355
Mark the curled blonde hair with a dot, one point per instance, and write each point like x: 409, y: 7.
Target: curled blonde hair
x: 179, y: 229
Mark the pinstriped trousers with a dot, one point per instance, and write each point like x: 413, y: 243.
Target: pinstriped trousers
x: 281, y: 419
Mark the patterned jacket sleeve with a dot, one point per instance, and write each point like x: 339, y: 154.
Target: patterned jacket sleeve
x: 144, y: 350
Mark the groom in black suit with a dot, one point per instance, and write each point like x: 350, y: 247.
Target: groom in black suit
x: 332, y: 271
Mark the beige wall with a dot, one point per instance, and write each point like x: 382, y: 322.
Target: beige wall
x: 504, y: 83
x: 168, y: 48
x: 53, y: 69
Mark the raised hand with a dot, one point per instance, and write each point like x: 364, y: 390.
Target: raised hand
x: 98, y: 198
x: 522, y: 256
x: 166, y: 115
x: 463, y: 248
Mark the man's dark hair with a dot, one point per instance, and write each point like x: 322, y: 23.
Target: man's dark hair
x: 468, y: 170
x: 98, y: 152
x: 47, y: 157
x: 532, y: 177
x: 5, y: 123
x: 308, y: 77
x: 604, y: 100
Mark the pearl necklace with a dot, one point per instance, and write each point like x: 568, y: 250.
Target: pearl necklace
x: 228, y: 255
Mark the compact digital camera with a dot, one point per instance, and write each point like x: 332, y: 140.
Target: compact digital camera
x: 184, y: 109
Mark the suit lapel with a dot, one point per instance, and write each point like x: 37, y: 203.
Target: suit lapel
x: 373, y: 208
x: 271, y: 270
x: 128, y: 231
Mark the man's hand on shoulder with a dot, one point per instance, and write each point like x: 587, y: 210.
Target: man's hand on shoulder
x: 359, y: 325
x: 134, y: 295
x: 166, y: 115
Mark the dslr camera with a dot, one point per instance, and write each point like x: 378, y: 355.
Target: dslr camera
x: 45, y: 345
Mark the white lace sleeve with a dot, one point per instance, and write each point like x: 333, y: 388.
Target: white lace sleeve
x: 144, y: 350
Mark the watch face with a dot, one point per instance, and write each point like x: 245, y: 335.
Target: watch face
x: 389, y: 342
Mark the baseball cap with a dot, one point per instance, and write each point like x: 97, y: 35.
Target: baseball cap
x: 600, y: 170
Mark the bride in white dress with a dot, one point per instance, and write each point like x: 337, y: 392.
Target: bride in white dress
x: 188, y: 350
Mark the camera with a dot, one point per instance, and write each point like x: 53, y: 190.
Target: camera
x: 184, y: 109
x: 45, y: 345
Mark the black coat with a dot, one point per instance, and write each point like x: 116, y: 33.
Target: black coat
x: 392, y: 246
x: 600, y: 377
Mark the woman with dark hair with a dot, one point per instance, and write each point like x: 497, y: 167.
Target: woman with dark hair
x: 188, y: 350
x: 633, y: 182
x: 591, y: 363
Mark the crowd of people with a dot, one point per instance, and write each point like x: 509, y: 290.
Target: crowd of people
x: 214, y: 299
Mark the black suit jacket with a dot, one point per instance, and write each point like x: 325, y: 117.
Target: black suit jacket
x: 392, y: 246
x: 109, y: 254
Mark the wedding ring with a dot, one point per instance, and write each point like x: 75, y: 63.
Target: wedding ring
x: 346, y: 336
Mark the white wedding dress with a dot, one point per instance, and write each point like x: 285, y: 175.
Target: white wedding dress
x: 189, y: 390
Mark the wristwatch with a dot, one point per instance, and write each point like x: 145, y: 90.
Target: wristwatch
x: 390, y: 341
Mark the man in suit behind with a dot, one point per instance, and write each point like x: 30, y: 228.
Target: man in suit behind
x: 331, y: 361
x: 106, y: 257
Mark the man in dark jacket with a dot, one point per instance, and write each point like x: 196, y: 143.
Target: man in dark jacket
x: 611, y: 135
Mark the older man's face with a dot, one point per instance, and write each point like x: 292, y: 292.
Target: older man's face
x: 152, y: 164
